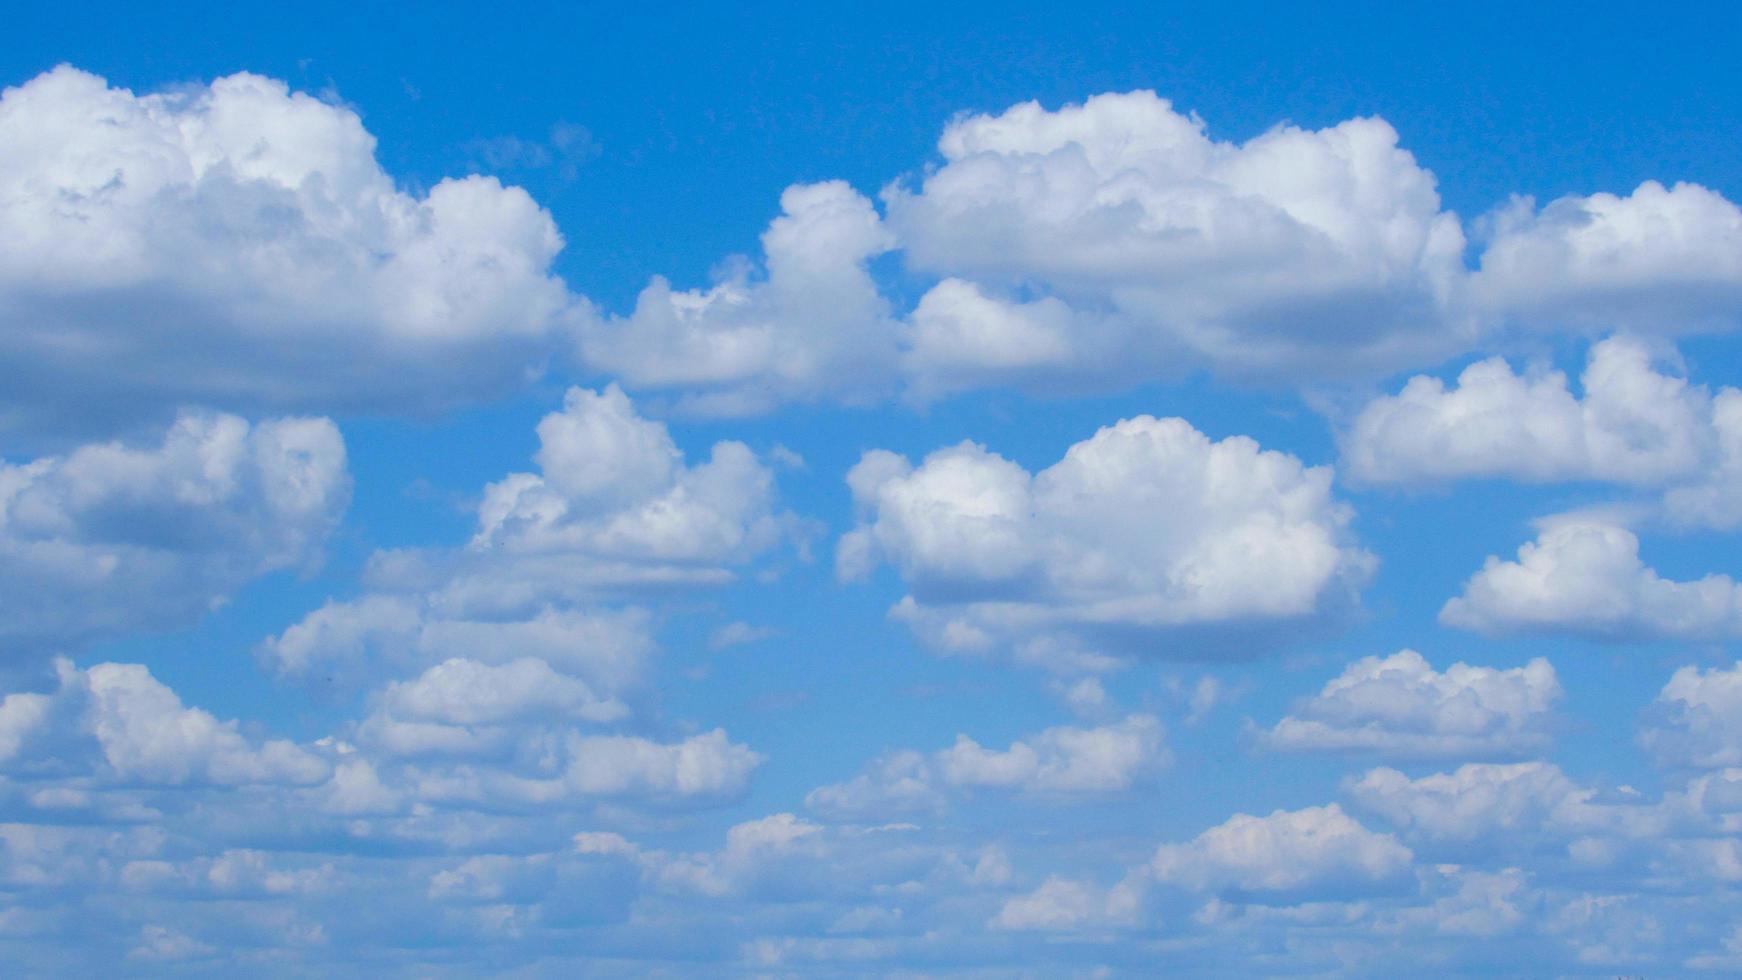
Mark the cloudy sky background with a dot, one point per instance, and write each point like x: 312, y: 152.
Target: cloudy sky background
x: 913, y: 492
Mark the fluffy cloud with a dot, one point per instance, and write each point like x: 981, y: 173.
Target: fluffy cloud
x: 111, y: 538
x: 1660, y: 259
x: 1061, y: 761
x: 1584, y: 577
x: 1634, y: 425
x: 1696, y: 720
x: 1060, y: 904
x: 118, y: 724
x: 1517, y: 806
x: 1156, y: 249
x: 1317, y: 847
x: 1399, y: 705
x: 613, y: 508
x: 1147, y: 528
x: 237, y: 244
x: 813, y: 325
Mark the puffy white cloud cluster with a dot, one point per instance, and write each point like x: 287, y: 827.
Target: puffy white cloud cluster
x: 1584, y: 577
x: 1400, y: 706
x: 1319, y: 847
x: 1062, y: 761
x: 1664, y: 260
x: 1696, y: 720
x: 1114, y: 240
x: 237, y: 244
x: 813, y: 324
x: 1145, y: 530
x: 1633, y: 425
x: 113, y: 537
x: 613, y: 508
x: 115, y: 724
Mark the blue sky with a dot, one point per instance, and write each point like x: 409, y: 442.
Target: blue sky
x: 780, y: 491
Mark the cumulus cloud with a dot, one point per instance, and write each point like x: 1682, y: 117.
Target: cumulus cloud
x: 1061, y: 904
x: 1584, y: 577
x: 1288, y: 851
x: 119, y: 725
x: 1400, y: 706
x: 1633, y: 425
x: 1148, y: 528
x: 1113, y: 240
x: 111, y: 537
x: 1517, y: 806
x: 614, y: 509
x: 811, y: 325
x: 1665, y: 260
x: 1058, y: 762
x: 237, y: 244
x: 1696, y: 720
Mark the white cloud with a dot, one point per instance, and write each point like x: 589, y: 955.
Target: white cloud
x: 812, y: 326
x: 570, y: 767
x: 1060, y: 904
x: 1660, y: 259
x: 1634, y: 425
x: 612, y: 485
x: 1696, y: 720
x: 1499, y: 806
x: 1147, y: 528
x: 237, y: 244
x: 118, y: 724
x: 614, y: 508
x: 1400, y: 706
x: 111, y: 538
x: 1317, y: 847
x: 1584, y: 577
x: 1058, y: 762
x: 1156, y: 249
x: 466, y: 692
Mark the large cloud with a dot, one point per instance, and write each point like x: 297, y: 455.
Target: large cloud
x: 1146, y: 530
x: 1114, y: 240
x: 813, y: 325
x: 1584, y: 577
x: 237, y: 245
x: 1400, y: 706
x: 111, y: 538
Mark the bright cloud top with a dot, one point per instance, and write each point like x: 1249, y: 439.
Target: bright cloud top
x: 111, y: 537
x: 1159, y: 248
x: 1320, y: 847
x: 1147, y: 527
x: 1634, y: 425
x: 237, y: 245
x: 1584, y: 577
x: 1400, y: 706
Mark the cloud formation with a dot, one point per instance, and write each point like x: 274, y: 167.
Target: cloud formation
x: 1584, y: 577
x: 1145, y: 530
x: 1400, y: 706
x: 237, y: 245
x: 113, y: 537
